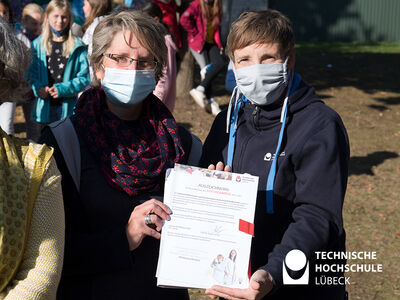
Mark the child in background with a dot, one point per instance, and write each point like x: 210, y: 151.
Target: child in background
x: 7, y: 109
x: 166, y: 86
x: 202, y: 21
x: 169, y: 8
x: 95, y: 11
x: 31, y: 21
x: 59, y: 69
x: 230, y: 81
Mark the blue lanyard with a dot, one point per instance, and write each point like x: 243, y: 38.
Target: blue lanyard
x: 232, y: 132
x: 272, y: 171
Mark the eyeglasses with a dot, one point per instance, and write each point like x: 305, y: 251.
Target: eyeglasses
x: 124, y: 61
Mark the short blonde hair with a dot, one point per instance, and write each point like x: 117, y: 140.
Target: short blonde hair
x: 47, y: 35
x: 15, y: 58
x: 260, y: 27
x: 30, y: 9
x: 146, y: 30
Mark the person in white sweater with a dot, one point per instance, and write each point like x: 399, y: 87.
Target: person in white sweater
x: 32, y: 226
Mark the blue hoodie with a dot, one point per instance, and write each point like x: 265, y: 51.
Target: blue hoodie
x: 75, y: 79
x: 309, y: 186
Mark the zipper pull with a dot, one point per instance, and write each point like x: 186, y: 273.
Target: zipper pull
x: 255, y: 112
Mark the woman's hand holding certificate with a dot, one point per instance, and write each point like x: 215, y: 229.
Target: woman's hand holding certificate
x: 208, y: 240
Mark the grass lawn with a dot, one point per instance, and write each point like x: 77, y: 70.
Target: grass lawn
x: 354, y: 47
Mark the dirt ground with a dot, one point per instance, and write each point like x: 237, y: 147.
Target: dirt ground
x: 365, y: 90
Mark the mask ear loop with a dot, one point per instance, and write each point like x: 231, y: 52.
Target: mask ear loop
x: 290, y: 84
x: 234, y: 100
x: 232, y: 106
x: 287, y: 76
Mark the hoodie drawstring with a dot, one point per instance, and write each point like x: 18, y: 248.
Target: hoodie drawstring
x: 293, y: 85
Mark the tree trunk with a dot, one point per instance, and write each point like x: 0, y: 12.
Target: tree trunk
x: 185, y: 76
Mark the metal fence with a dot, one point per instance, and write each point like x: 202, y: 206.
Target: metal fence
x: 342, y: 20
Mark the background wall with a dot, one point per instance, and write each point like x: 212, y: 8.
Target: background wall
x: 328, y: 21
x: 233, y: 8
x: 343, y: 20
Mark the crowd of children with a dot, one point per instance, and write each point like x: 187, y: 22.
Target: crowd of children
x: 113, y: 153
x: 61, y: 43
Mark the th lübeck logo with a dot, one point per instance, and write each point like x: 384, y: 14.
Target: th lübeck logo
x: 295, y: 268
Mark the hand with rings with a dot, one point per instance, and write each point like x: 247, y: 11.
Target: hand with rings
x: 146, y: 219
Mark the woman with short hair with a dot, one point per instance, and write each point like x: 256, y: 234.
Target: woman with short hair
x: 127, y: 140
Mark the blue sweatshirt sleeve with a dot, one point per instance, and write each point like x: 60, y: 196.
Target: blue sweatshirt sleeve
x: 321, y: 169
x: 34, y: 72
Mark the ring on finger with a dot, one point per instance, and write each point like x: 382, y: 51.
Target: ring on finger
x: 147, y: 220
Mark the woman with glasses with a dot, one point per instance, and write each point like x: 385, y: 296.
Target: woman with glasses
x: 127, y: 140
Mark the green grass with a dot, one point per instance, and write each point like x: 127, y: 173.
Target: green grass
x: 351, y: 47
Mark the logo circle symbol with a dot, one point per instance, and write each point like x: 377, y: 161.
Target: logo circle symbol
x: 295, y: 260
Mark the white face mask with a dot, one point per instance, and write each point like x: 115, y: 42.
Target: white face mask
x: 263, y: 84
x: 128, y: 87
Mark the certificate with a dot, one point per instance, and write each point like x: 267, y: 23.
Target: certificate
x: 208, y: 239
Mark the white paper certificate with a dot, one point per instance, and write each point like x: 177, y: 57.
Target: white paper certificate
x: 202, y: 245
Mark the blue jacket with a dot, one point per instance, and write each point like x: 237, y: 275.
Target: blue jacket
x: 309, y: 186
x: 75, y: 79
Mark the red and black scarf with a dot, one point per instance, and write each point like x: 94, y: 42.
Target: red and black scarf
x: 133, y: 154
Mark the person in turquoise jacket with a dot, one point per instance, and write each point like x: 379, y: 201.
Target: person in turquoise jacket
x: 59, y: 68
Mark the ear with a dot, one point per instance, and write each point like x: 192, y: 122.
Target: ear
x: 99, y: 73
x: 292, y: 58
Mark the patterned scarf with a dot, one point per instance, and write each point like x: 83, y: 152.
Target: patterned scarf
x: 133, y: 154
